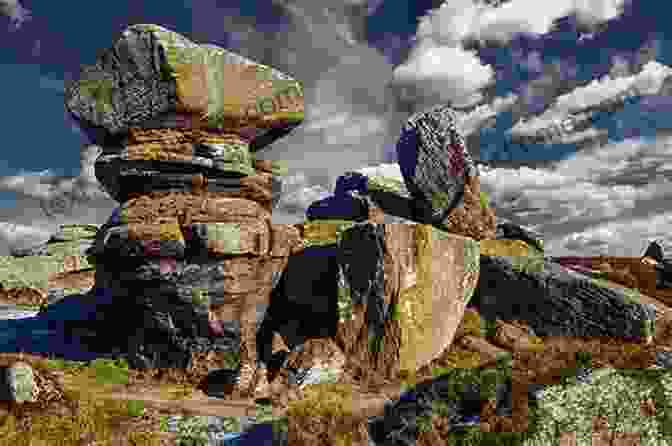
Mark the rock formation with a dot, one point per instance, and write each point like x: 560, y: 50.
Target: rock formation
x: 191, y: 244
x: 355, y: 269
x: 555, y: 301
x: 441, y: 176
x: 191, y: 248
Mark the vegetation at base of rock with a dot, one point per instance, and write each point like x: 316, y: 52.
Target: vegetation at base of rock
x: 328, y: 400
x: 486, y: 378
x: 90, y: 417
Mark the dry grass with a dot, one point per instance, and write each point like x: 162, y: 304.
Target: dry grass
x: 68, y: 417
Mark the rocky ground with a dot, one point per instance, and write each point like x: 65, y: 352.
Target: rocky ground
x: 535, y: 361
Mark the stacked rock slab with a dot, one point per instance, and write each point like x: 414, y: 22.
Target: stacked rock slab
x: 361, y: 267
x: 390, y: 294
x: 191, y: 244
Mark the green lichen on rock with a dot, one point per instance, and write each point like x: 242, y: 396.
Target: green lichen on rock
x: 325, y: 232
x: 630, y: 295
x: 387, y: 184
x: 100, y: 90
x: 22, y: 382
x: 77, y: 231
x: 472, y: 264
x: 227, y: 233
x: 200, y: 297
x: 162, y: 73
x: 485, y: 200
x: 440, y: 200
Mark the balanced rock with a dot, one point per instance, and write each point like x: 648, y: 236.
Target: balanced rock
x: 165, y: 109
x: 441, y: 176
x: 191, y: 247
x: 441, y: 184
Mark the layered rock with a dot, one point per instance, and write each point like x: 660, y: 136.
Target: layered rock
x: 191, y: 246
x: 391, y: 295
x: 424, y: 268
x: 556, y: 302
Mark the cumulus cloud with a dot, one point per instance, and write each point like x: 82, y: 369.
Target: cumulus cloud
x: 81, y: 198
x: 611, y: 196
x: 584, y: 204
x: 577, y: 109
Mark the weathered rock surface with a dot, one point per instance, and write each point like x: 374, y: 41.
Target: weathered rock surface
x: 350, y: 275
x: 434, y: 161
x: 556, y: 302
x: 155, y: 78
x: 191, y: 247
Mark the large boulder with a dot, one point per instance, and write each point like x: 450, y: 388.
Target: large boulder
x: 359, y: 281
x: 160, y: 105
x: 440, y: 175
x: 555, y: 301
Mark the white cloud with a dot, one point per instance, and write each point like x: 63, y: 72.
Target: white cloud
x: 579, y: 204
x: 577, y: 108
x: 446, y: 74
x: 584, y: 204
x: 474, y: 120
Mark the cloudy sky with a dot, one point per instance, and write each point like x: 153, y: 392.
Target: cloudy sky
x: 566, y: 103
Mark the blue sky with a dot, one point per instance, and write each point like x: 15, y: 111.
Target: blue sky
x: 566, y: 103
